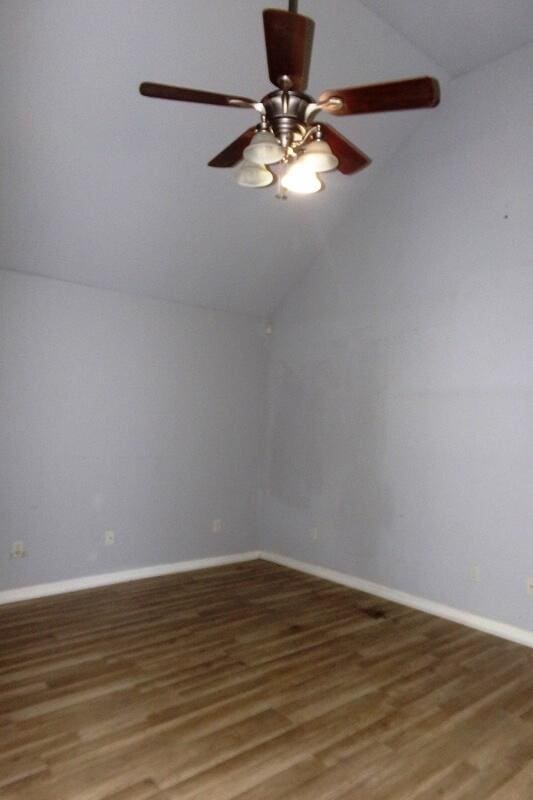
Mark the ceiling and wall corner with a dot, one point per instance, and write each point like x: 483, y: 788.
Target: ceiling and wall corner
x: 101, y: 186
x: 460, y: 35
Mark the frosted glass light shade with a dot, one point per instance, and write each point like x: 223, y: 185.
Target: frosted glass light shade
x: 318, y: 157
x: 301, y: 180
x: 263, y: 149
x: 253, y: 176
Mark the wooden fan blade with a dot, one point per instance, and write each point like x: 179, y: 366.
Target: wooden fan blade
x: 194, y: 95
x: 393, y: 96
x: 289, y: 40
x: 350, y: 158
x: 232, y: 154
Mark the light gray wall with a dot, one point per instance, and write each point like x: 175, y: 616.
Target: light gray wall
x: 401, y: 374
x: 124, y: 413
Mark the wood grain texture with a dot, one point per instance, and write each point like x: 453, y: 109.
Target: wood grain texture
x: 379, y: 97
x: 289, y: 42
x: 255, y: 682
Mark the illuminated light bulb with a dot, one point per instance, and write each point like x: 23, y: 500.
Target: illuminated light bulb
x: 318, y: 157
x: 301, y: 180
x: 253, y: 176
x: 263, y: 149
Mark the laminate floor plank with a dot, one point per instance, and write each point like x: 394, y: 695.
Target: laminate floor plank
x: 255, y: 681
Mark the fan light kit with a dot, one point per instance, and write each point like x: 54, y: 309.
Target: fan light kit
x: 288, y: 144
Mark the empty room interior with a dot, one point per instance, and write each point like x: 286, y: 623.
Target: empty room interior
x: 266, y: 400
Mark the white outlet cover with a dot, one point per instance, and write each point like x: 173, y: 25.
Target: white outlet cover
x: 475, y: 573
x: 18, y: 550
x: 109, y: 537
x: 216, y: 526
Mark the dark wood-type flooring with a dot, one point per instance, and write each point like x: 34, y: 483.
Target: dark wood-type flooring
x: 255, y: 682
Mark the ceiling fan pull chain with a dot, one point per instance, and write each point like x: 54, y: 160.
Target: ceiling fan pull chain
x: 281, y: 193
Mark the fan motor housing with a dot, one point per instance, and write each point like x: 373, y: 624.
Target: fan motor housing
x: 285, y: 112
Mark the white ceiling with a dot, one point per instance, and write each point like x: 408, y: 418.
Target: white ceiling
x: 102, y: 186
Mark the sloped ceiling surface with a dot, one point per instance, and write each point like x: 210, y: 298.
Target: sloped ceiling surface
x: 460, y: 34
x: 102, y: 186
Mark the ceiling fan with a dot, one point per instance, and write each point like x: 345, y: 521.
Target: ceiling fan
x: 288, y: 141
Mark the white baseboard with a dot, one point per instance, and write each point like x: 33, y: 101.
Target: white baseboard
x: 501, y: 629
x: 492, y: 626
x: 108, y: 578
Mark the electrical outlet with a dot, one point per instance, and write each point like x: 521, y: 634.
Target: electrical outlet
x: 313, y: 533
x: 475, y: 573
x: 109, y: 538
x: 18, y: 550
x: 530, y: 587
x: 216, y: 526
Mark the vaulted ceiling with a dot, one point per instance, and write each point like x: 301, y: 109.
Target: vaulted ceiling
x: 460, y: 35
x: 104, y: 187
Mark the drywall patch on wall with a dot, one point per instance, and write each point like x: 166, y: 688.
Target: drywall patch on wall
x: 297, y: 439
x: 328, y: 443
